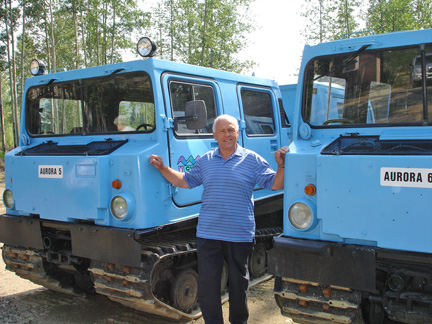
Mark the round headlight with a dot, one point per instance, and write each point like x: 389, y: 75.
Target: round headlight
x: 146, y: 47
x: 119, y: 207
x: 8, y: 199
x: 300, y: 215
x: 37, y: 67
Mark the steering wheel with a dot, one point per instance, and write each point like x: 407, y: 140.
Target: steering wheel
x: 144, y: 126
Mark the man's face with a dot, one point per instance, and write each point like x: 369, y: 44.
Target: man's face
x: 226, y: 135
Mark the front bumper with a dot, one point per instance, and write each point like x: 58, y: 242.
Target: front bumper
x: 328, y: 263
x: 88, y: 241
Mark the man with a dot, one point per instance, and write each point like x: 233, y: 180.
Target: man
x: 119, y: 121
x: 226, y: 224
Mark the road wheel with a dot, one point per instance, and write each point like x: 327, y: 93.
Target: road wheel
x: 184, y: 290
x: 258, y: 261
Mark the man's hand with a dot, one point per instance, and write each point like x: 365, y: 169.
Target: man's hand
x: 280, y: 156
x: 176, y: 178
x: 156, y: 161
x: 278, y: 182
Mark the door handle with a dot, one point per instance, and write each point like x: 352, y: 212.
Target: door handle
x: 273, y: 145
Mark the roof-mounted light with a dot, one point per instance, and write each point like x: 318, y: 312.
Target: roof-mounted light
x: 37, y: 67
x: 146, y: 47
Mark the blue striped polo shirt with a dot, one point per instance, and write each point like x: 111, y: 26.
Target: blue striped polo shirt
x: 227, y: 211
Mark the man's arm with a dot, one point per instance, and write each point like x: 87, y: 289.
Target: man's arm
x: 278, y: 182
x: 176, y: 178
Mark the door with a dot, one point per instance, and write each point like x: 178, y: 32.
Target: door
x: 260, y: 112
x: 187, y: 146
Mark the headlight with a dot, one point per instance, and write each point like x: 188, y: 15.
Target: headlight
x: 8, y: 199
x: 37, y: 67
x: 300, y: 215
x: 146, y: 47
x: 122, y: 206
x: 119, y: 207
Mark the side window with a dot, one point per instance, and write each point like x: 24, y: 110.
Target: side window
x: 180, y: 93
x: 258, y: 112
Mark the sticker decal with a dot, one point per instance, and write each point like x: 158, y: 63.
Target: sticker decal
x: 406, y: 177
x: 50, y: 171
x: 185, y: 165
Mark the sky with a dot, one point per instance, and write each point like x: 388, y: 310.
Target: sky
x: 276, y: 44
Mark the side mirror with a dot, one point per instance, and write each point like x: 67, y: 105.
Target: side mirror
x: 196, y: 109
x: 195, y: 114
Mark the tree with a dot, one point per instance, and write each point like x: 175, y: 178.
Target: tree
x: 385, y: 16
x: 62, y: 33
x: 422, y: 10
x: 319, y: 20
x: 346, y: 21
x: 105, y: 26
x: 328, y: 20
x: 2, y: 120
x: 203, y: 32
x: 11, y: 16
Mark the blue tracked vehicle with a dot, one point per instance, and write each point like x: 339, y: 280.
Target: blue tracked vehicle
x: 85, y: 210
x: 356, y: 244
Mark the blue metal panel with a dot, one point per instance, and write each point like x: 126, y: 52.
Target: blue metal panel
x: 47, y: 196
x: 353, y: 204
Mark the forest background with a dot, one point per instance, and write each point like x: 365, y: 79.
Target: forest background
x: 75, y: 34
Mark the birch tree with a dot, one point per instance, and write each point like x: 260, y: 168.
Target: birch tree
x: 11, y: 14
x: 385, y: 16
x: 319, y: 20
x: 347, y: 19
x: 422, y: 11
x: 204, y: 32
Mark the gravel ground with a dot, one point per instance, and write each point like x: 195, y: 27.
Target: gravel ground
x: 22, y: 302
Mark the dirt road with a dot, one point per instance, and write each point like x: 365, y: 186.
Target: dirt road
x: 22, y: 302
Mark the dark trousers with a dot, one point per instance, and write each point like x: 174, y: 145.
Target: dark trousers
x: 211, y: 257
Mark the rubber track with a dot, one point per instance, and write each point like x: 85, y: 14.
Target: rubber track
x: 130, y: 286
x: 309, y: 303
x: 133, y: 287
x: 28, y: 264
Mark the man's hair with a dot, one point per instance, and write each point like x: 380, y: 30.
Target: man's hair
x: 120, y: 120
x: 228, y: 117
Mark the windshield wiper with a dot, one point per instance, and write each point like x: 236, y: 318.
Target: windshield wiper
x: 117, y: 71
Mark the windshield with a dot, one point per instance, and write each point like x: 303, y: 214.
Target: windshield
x: 115, y: 103
x: 368, y: 88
